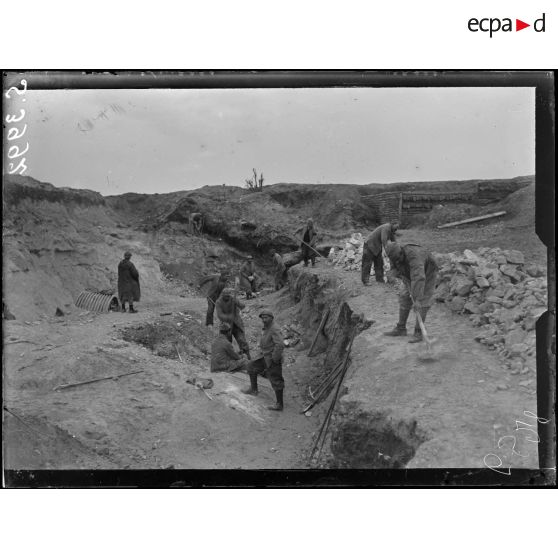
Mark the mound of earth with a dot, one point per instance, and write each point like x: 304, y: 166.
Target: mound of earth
x: 270, y: 218
x: 58, y: 242
x: 520, y: 207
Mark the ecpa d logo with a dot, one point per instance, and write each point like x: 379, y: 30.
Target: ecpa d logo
x: 492, y: 25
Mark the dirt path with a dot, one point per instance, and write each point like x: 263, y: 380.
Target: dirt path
x: 153, y: 419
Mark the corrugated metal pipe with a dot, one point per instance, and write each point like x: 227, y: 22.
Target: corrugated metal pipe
x: 96, y: 302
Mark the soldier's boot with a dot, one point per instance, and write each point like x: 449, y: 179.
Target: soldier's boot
x: 253, y: 389
x: 417, y: 335
x: 132, y: 309
x: 123, y: 308
x: 279, y: 404
x: 401, y: 328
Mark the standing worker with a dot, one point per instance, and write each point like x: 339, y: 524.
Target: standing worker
x: 279, y: 271
x: 217, y: 283
x: 372, y: 251
x: 128, y: 283
x: 248, y: 277
x: 228, y: 311
x: 418, y: 270
x: 196, y: 220
x: 309, y: 237
x: 270, y: 364
x: 223, y: 356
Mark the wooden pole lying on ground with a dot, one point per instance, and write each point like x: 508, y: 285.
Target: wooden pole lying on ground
x: 65, y: 386
x: 472, y: 220
x: 22, y: 421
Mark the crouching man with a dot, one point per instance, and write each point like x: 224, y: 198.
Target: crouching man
x: 418, y: 270
x: 270, y: 364
x: 223, y: 356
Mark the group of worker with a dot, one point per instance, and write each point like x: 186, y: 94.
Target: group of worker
x: 414, y: 265
x: 225, y: 302
x: 224, y: 358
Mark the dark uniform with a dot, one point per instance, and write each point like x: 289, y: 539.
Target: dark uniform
x: 280, y: 269
x: 372, y: 251
x: 309, y: 235
x: 196, y: 219
x: 248, y: 270
x: 270, y: 364
x: 418, y: 269
x: 228, y: 311
x: 216, y: 285
x: 128, y: 283
x: 223, y: 356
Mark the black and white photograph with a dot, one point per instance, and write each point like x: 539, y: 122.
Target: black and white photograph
x: 217, y: 274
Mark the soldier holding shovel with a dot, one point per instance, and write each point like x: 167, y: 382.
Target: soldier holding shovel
x: 419, y: 270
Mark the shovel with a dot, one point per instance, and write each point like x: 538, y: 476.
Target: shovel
x: 429, y: 353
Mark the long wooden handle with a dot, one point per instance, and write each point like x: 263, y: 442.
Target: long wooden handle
x: 417, y: 314
x: 422, y: 327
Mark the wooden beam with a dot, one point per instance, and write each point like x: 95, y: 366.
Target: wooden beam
x: 472, y: 220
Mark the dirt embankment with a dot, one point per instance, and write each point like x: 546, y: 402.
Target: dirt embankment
x: 395, y: 409
x: 258, y: 221
x: 59, y: 242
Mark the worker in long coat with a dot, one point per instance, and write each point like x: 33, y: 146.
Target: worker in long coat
x: 418, y: 270
x: 279, y: 276
x: 248, y: 277
x: 128, y: 283
x: 223, y: 356
x: 308, y: 242
x: 270, y: 363
x: 372, y: 251
x: 217, y: 282
x: 228, y: 311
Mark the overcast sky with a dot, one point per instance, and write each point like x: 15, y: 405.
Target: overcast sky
x: 158, y: 140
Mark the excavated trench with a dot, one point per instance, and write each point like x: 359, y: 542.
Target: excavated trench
x: 358, y: 438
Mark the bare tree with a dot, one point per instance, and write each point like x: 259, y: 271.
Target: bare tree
x: 255, y: 184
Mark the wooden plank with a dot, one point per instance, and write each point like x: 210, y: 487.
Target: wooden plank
x: 472, y: 220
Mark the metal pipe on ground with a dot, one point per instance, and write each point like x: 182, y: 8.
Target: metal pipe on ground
x: 95, y: 301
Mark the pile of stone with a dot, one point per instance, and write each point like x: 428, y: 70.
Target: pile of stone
x: 350, y: 256
x: 502, y: 295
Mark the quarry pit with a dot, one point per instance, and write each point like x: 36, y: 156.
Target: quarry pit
x: 393, y: 410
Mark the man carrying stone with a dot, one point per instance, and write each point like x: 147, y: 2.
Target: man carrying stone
x: 248, y: 277
x: 223, y: 356
x: 270, y: 364
x: 279, y: 268
x: 128, y: 283
x: 418, y: 270
x: 217, y: 283
x: 372, y: 251
x: 228, y: 311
